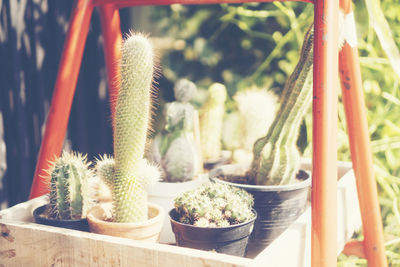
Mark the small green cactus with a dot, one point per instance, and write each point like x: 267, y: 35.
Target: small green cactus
x: 214, y: 205
x: 211, y: 119
x: 131, y: 174
x: 175, y: 147
x: 105, y: 169
x: 69, y: 182
x: 276, y: 159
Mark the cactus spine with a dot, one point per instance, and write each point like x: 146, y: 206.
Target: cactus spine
x: 211, y: 119
x: 69, y: 187
x: 276, y: 158
x: 131, y: 124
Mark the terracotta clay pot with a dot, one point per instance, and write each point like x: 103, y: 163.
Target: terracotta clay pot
x: 148, y: 230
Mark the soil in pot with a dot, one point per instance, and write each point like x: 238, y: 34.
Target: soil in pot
x: 277, y: 206
x: 100, y: 222
x: 230, y: 240
x: 40, y: 217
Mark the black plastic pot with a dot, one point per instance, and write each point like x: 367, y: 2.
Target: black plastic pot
x: 230, y: 240
x: 277, y: 206
x: 81, y: 224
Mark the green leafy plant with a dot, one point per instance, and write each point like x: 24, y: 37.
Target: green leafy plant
x: 214, y: 205
x: 69, y: 187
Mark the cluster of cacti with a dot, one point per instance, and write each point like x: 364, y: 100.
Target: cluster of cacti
x: 69, y: 182
x: 175, y: 147
x: 211, y: 119
x: 214, y: 205
x: 130, y: 174
x: 276, y: 158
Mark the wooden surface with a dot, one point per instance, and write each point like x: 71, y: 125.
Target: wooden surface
x: 23, y: 243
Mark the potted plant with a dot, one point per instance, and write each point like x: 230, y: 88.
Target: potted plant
x: 280, y: 190
x: 177, y: 150
x: 211, y: 120
x: 129, y: 174
x: 215, y: 217
x: 69, y: 193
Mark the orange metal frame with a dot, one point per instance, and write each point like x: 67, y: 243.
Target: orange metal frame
x: 327, y: 60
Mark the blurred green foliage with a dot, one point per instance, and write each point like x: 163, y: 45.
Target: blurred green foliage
x: 258, y: 44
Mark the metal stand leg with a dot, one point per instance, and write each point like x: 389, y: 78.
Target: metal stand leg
x: 111, y: 28
x: 353, y: 100
x: 324, y: 171
x: 64, y: 90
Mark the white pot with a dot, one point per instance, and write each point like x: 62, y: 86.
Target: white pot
x: 163, y: 194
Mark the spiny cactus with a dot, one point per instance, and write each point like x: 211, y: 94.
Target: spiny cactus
x: 175, y: 148
x: 105, y: 169
x: 214, y: 205
x: 211, y: 119
x: 184, y: 90
x: 257, y: 110
x: 276, y: 159
x: 69, y: 192
x: 131, y: 123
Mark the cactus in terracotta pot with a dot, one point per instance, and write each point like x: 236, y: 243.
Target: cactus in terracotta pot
x: 129, y: 174
x: 211, y: 118
x: 214, y: 205
x: 276, y: 159
x: 69, y: 187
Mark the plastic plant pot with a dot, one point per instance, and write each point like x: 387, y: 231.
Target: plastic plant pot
x: 80, y: 224
x: 230, y: 240
x: 277, y: 206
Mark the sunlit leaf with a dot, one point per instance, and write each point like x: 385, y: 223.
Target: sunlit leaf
x: 384, y: 33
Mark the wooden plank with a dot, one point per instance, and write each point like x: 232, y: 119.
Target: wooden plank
x: 23, y: 243
x: 29, y: 244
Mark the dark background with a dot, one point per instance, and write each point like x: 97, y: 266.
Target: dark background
x: 32, y: 34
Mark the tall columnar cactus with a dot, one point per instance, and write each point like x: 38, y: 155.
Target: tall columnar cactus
x: 175, y: 148
x: 211, y: 119
x: 69, y: 192
x: 276, y: 158
x: 131, y: 123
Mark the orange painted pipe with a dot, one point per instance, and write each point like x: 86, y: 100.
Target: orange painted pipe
x: 361, y: 154
x: 325, y: 116
x: 63, y: 95
x: 111, y: 29
x: 129, y: 3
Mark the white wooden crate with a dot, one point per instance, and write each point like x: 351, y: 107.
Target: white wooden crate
x: 24, y: 243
